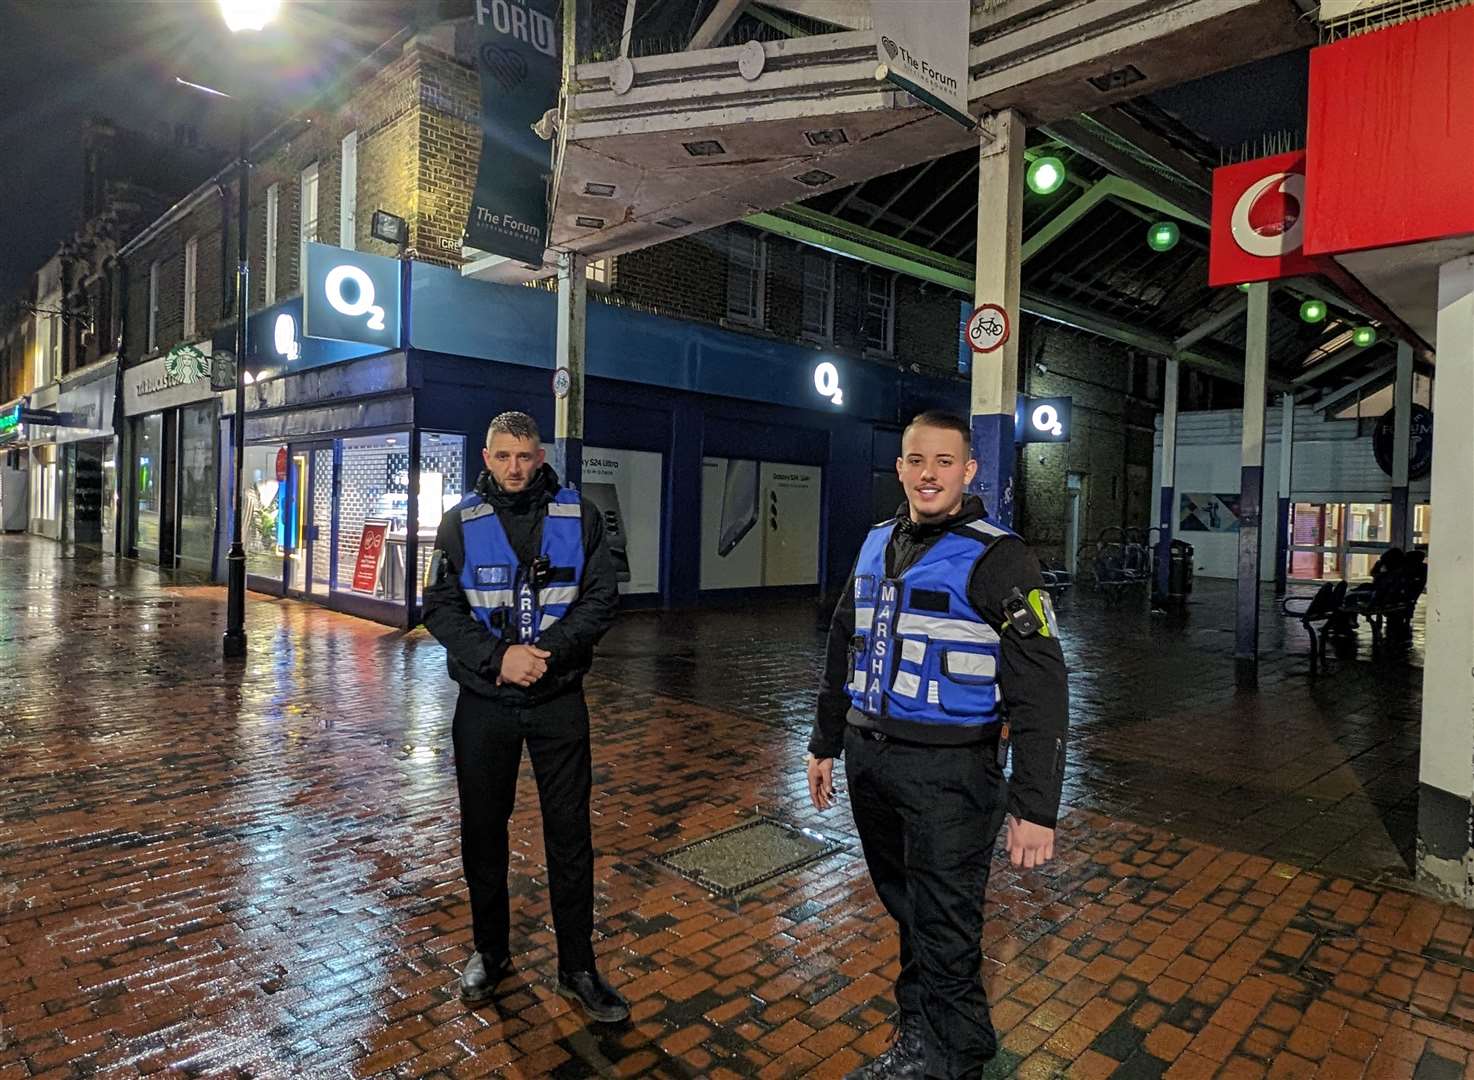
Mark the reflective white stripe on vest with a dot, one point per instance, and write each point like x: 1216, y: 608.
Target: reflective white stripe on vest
x: 907, y: 684
x: 547, y: 621
x: 558, y: 509
x: 938, y: 628
x: 489, y: 598
x: 857, y: 681
x: 913, y: 651
x: 864, y: 617
x: 986, y: 529
x: 563, y: 594
x: 933, y: 693
x: 471, y: 513
x: 978, y: 665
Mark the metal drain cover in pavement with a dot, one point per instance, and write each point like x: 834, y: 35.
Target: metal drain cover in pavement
x: 734, y: 861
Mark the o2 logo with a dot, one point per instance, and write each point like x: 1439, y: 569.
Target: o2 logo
x: 284, y: 337
x: 826, y: 382
x: 362, y: 291
x: 352, y: 296
x: 1045, y: 419
x: 1041, y: 420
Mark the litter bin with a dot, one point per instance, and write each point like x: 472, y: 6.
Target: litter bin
x: 1180, y: 571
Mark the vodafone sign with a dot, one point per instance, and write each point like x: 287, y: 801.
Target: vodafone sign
x: 1259, y: 221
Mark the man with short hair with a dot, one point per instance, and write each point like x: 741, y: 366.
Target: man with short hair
x: 942, y: 652
x: 519, y: 590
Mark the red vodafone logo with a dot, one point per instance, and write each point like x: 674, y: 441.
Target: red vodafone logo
x: 1267, y: 220
x: 1260, y: 209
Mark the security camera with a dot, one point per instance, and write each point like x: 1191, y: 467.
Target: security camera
x: 1041, y: 369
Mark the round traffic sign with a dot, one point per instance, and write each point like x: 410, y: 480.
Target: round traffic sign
x: 987, y: 328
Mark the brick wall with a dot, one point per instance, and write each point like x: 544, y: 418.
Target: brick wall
x: 1110, y: 446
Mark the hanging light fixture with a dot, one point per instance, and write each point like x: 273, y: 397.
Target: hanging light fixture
x: 1313, y: 311
x: 1046, y: 175
x: 1163, y: 236
x: 1364, y: 336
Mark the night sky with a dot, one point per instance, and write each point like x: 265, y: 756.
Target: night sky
x: 62, y: 61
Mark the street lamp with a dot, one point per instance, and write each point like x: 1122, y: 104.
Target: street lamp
x: 240, y: 15
x: 248, y: 14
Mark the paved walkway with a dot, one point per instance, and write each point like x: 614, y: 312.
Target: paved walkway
x: 208, y: 872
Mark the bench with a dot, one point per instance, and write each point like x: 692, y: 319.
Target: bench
x: 1322, y: 610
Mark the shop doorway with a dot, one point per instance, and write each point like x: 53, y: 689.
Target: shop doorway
x: 309, y: 524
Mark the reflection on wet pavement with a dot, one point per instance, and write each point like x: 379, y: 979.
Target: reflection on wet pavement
x: 207, y: 871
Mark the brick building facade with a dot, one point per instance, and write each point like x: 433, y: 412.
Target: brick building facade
x: 400, y: 133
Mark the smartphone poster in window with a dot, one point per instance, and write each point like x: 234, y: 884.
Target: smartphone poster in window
x: 625, y: 487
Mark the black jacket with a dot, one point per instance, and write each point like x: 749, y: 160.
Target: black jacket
x: 473, y: 653
x: 1031, y: 670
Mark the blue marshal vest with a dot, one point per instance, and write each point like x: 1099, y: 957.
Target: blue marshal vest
x: 921, y: 653
x: 501, y: 596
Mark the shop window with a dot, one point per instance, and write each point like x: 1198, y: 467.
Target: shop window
x: 880, y: 312
x: 818, y: 295
x: 373, y: 516
x: 196, y: 471
x: 264, y: 522
x: 109, y: 494
x: 625, y: 487
x: 1422, y: 524
x: 442, y: 485
x: 273, y: 211
x: 148, y: 485
x: 746, y: 274
x: 759, y: 523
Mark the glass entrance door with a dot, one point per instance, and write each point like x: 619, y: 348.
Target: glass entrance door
x: 309, y: 519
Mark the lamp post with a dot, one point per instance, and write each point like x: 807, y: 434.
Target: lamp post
x: 240, y: 15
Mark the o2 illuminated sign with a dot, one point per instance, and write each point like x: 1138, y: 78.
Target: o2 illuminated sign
x: 351, y: 281
x: 1042, y: 420
x: 284, y: 337
x: 826, y: 382
x: 352, y: 296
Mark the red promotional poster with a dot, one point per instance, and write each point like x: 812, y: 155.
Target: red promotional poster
x: 1259, y: 221
x: 370, y: 551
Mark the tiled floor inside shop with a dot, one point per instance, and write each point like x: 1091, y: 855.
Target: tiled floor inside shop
x: 207, y: 872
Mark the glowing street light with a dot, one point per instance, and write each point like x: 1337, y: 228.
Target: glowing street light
x: 1046, y: 175
x: 248, y: 14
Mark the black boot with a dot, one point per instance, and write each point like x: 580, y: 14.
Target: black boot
x: 598, y: 998
x: 905, y: 1060
x: 481, y: 975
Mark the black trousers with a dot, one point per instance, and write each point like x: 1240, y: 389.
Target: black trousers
x: 928, y: 818
x: 488, y: 755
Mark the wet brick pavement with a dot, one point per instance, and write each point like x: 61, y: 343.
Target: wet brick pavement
x: 206, y: 872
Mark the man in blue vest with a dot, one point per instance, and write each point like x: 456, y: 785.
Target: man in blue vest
x: 520, y: 588
x: 943, y: 652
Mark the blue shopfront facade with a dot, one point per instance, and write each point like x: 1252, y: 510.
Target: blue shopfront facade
x: 722, y: 463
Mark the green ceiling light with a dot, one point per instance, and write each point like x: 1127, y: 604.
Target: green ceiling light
x: 1162, y: 236
x: 1046, y: 175
x: 1244, y: 287
x: 1364, y: 336
x: 1313, y: 311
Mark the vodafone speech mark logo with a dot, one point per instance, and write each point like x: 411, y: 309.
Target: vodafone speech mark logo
x: 1268, y: 221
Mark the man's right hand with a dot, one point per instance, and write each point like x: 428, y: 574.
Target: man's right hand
x: 523, y: 665
x: 821, y: 782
